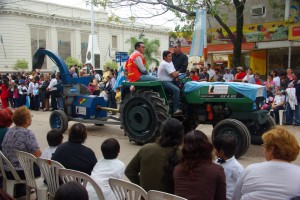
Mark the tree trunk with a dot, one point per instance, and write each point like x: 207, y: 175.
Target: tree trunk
x: 239, y: 32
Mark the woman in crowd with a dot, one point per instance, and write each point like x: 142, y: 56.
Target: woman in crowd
x: 20, y: 138
x: 196, y: 177
x: 152, y: 166
x: 249, y: 78
x: 293, y: 101
x: 276, y: 178
x: 4, y: 84
x: 5, y: 122
x: 72, y: 154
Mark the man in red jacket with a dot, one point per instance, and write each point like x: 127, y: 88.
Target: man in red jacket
x: 136, y: 65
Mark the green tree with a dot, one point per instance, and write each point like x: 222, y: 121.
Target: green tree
x: 111, y: 65
x: 185, y: 11
x: 151, y: 48
x: 70, y: 61
x: 21, y: 65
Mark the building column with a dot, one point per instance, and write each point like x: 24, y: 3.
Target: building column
x: 76, y: 50
x: 52, y: 44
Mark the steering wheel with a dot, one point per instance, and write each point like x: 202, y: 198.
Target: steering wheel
x: 178, y: 80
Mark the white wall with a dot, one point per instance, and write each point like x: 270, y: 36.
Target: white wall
x: 16, y: 21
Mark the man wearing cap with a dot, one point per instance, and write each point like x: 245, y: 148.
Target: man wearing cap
x: 239, y: 75
x: 179, y: 59
x: 228, y: 77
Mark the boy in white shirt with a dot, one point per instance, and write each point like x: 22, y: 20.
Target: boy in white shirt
x: 225, y: 146
x: 106, y: 168
x: 54, y: 138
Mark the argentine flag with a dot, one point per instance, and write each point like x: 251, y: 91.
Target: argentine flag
x: 120, y: 78
x: 198, y: 37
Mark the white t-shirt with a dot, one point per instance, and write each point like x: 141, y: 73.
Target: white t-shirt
x: 103, y: 170
x: 47, y: 153
x: 278, y: 99
x: 211, y: 73
x: 277, y: 81
x: 271, y: 180
x: 164, y: 71
x: 232, y: 169
x: 228, y: 77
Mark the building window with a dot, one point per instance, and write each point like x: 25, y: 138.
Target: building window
x: 64, y: 44
x: 114, y: 42
x: 84, y: 46
x: 42, y: 42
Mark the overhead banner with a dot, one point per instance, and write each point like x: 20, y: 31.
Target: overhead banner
x: 198, y: 37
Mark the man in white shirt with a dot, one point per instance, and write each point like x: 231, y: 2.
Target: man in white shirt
x: 210, y: 71
x: 52, y: 89
x: 166, y: 73
x: 228, y: 77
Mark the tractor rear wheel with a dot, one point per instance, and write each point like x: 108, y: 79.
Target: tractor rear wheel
x: 256, y: 137
x: 142, y: 115
x: 59, y: 120
x: 237, y: 129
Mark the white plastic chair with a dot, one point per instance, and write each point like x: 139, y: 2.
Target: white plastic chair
x: 68, y: 175
x: 27, y: 160
x: 9, y: 185
x: 158, y: 195
x: 50, y: 172
x: 126, y: 190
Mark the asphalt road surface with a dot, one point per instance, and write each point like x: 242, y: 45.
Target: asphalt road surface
x: 97, y: 134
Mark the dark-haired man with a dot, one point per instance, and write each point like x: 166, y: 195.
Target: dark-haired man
x: 166, y: 73
x: 179, y: 59
x: 136, y: 65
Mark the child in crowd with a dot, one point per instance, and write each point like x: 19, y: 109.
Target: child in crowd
x: 118, y: 95
x: 54, y: 138
x: 278, y: 104
x: 107, y: 167
x: 225, y: 146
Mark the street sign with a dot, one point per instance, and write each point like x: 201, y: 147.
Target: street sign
x: 121, y: 56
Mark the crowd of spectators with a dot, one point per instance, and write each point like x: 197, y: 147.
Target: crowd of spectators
x: 43, y: 91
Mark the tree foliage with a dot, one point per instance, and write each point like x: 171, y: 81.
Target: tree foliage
x: 111, y: 65
x: 151, y: 48
x: 70, y: 61
x: 185, y: 11
x: 21, y: 64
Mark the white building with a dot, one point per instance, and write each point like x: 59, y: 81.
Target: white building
x: 66, y: 32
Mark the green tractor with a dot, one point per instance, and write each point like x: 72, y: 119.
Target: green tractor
x: 231, y: 108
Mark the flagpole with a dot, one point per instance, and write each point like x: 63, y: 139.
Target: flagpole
x: 205, y: 53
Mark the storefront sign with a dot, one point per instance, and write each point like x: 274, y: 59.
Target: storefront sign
x: 258, y: 62
x: 294, y: 32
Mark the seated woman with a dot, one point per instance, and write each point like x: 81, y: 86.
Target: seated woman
x: 152, y: 166
x: 276, y: 178
x: 196, y: 177
x: 72, y: 154
x: 6, y: 121
x: 19, y: 138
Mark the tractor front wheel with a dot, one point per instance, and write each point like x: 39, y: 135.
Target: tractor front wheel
x: 237, y: 129
x: 142, y: 115
x: 256, y: 136
x: 59, y: 120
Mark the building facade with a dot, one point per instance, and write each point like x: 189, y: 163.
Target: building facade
x: 25, y: 25
x: 271, y: 37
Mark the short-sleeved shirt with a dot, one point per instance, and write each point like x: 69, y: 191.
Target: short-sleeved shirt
x: 164, y: 71
x: 203, y: 76
x: 18, y: 139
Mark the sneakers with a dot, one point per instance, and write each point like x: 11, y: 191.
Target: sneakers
x: 177, y: 112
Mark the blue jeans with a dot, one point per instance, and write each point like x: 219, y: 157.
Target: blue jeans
x: 174, y: 91
x: 289, y: 114
x: 297, y: 115
x: 147, y: 78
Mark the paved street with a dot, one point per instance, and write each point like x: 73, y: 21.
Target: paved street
x: 97, y: 134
